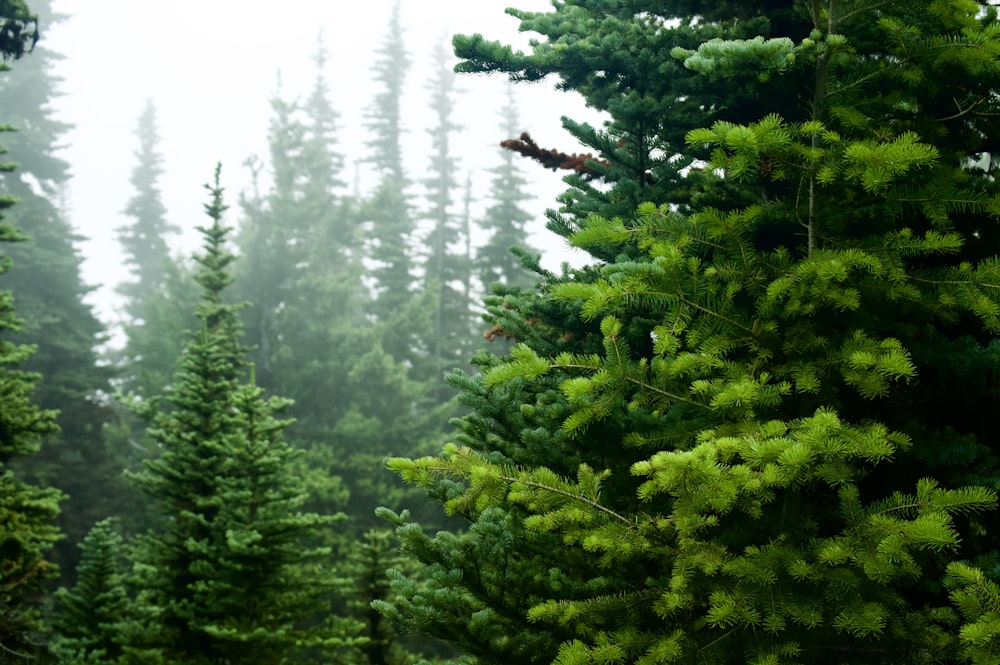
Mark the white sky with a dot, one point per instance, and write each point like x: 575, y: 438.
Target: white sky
x: 210, y: 66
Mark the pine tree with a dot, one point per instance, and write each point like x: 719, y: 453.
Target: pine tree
x: 448, y: 266
x: 505, y: 219
x: 754, y: 430
x: 88, y: 616
x: 27, y: 512
x: 388, y: 211
x: 50, y: 299
x: 156, y: 304
x: 147, y: 252
x: 227, y: 575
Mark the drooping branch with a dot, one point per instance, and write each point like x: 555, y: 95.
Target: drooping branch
x: 555, y: 159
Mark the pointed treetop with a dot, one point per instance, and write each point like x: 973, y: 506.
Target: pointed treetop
x: 214, y: 261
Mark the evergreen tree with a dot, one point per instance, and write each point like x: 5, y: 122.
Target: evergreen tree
x: 89, y: 614
x: 448, y: 266
x: 226, y: 576
x: 147, y: 253
x: 27, y: 512
x: 50, y: 298
x: 505, y: 219
x: 388, y: 212
x: 754, y: 430
x: 158, y: 304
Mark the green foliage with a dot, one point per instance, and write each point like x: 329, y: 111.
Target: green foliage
x: 27, y: 511
x: 88, y: 615
x: 227, y: 573
x: 754, y: 430
x: 18, y: 29
x: 50, y: 299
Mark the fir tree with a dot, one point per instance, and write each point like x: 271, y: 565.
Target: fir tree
x: 157, y: 302
x: 147, y: 252
x: 89, y: 615
x: 505, y: 219
x: 448, y: 266
x: 226, y: 576
x: 157, y: 310
x: 388, y: 211
x: 27, y: 512
x: 753, y: 429
x: 50, y: 299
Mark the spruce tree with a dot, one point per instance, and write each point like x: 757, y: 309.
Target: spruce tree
x: 147, y: 252
x: 89, y: 615
x: 754, y: 429
x: 157, y: 303
x: 226, y: 576
x: 388, y: 211
x: 50, y: 299
x: 27, y: 512
x: 505, y: 218
x: 156, y: 311
x: 448, y: 265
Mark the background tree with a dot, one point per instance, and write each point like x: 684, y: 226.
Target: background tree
x: 388, y: 211
x: 50, y: 298
x: 448, y: 265
x: 226, y: 575
x: 505, y: 218
x: 156, y: 307
x: 27, y: 512
x: 725, y: 441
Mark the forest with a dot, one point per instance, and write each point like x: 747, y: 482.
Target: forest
x: 755, y: 427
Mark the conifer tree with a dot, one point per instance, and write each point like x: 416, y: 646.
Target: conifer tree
x: 505, y: 219
x: 752, y: 431
x: 89, y: 615
x: 388, y: 211
x: 157, y: 308
x: 50, y: 299
x: 147, y: 252
x: 226, y: 576
x: 27, y: 512
x: 448, y: 264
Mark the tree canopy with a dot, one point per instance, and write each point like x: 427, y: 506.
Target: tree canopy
x: 728, y: 438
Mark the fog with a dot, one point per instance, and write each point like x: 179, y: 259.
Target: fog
x: 211, y: 67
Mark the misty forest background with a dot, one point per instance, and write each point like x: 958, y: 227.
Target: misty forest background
x: 758, y: 426
x: 356, y: 307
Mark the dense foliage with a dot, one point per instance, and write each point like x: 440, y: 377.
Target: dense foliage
x: 755, y: 428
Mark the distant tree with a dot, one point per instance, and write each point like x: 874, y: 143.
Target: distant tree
x: 147, y: 252
x: 88, y: 616
x: 505, y: 218
x: 448, y: 266
x: 388, y: 211
x: 226, y: 576
x: 51, y: 299
x: 159, y: 298
x: 27, y: 512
